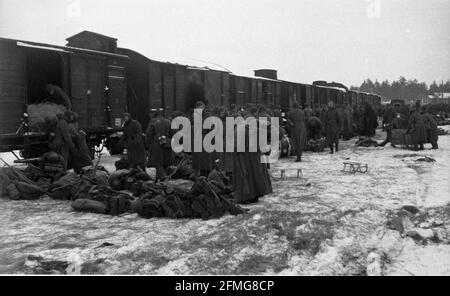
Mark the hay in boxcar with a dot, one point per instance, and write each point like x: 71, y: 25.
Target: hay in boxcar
x: 42, y: 117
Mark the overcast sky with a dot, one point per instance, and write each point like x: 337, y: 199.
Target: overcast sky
x: 305, y: 40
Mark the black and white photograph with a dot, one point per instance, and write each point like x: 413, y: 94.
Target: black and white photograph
x: 215, y: 138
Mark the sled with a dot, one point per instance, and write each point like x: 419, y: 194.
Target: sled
x: 401, y: 138
x: 355, y: 167
x: 298, y: 173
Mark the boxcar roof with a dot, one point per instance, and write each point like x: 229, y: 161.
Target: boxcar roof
x: 331, y: 87
x: 66, y: 49
x: 85, y: 32
x: 189, y: 63
x: 255, y: 77
x: 299, y: 83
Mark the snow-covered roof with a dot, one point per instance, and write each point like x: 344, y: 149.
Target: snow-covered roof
x: 332, y: 87
x: 60, y: 48
x: 187, y: 62
x: 24, y: 44
x: 255, y: 77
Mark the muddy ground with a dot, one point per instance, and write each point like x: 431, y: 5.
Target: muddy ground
x: 327, y: 223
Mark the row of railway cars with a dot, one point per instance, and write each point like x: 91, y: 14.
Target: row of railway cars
x: 104, y: 81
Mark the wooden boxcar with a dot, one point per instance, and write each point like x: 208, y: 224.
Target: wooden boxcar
x: 242, y: 90
x: 88, y: 69
x: 256, y: 90
x: 296, y: 92
x: 154, y: 84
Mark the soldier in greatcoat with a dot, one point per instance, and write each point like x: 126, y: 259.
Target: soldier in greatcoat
x: 296, y: 118
x: 202, y: 161
x: 431, y: 127
x: 251, y: 179
x: 417, y: 129
x: 332, y: 123
x: 158, y: 136
x: 62, y: 142
x: 132, y: 139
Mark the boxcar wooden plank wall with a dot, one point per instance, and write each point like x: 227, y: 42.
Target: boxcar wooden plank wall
x: 180, y: 92
x: 156, y: 85
x: 213, y: 87
x: 13, y: 90
x: 225, y: 89
x: 79, y: 85
x: 117, y: 97
x: 169, y: 85
x: 87, y: 83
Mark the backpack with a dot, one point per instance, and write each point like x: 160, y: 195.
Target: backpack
x: 88, y: 205
x: 199, y: 207
x: 152, y: 208
x: 173, y: 207
x: 117, y: 205
x: 28, y: 191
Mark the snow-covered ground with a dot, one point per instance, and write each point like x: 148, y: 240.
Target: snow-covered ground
x: 327, y: 223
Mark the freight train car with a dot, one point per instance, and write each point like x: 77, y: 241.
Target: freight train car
x: 104, y: 81
x: 256, y: 90
x: 88, y: 69
x: 155, y: 84
x: 296, y: 92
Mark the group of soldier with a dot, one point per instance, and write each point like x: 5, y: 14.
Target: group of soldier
x: 329, y: 121
x: 69, y: 141
x: 418, y: 122
x: 249, y: 176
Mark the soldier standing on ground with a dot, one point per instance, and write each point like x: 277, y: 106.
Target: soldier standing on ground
x: 417, y: 129
x: 202, y: 161
x: 388, y: 119
x: 62, y: 142
x: 332, y: 124
x: 296, y: 118
x: 431, y: 127
x: 370, y: 121
x: 133, y: 141
x: 158, y: 136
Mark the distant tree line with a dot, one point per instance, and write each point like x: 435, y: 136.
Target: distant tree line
x: 408, y: 90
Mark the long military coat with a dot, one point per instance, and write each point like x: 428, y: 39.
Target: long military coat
x: 133, y: 141
x: 158, y: 155
x: 332, y: 124
x: 417, y: 128
x: 298, y: 129
x: 432, y: 128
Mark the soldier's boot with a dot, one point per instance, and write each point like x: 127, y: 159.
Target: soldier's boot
x: 332, y: 149
x: 435, y: 145
x: 337, y: 147
x: 299, y: 156
x: 384, y: 143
